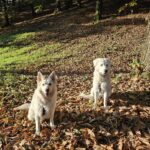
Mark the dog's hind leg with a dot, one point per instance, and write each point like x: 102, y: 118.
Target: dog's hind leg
x: 31, y: 114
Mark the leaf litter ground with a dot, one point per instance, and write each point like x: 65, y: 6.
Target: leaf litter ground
x: 127, y: 123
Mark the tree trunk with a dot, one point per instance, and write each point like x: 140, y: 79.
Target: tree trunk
x: 13, y: 2
x: 58, y: 5
x: 79, y: 3
x: 19, y: 5
x: 68, y: 4
x: 32, y: 9
x: 146, y: 57
x: 98, y: 12
x: 43, y: 4
x: 7, y: 22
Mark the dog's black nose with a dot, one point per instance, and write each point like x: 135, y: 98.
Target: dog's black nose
x: 47, y: 91
x: 106, y: 71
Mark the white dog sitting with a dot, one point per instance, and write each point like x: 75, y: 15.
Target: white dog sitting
x: 43, y: 101
x: 101, y: 82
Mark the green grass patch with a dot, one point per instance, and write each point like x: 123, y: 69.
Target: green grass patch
x: 18, y: 50
x: 22, y: 57
x: 15, y: 37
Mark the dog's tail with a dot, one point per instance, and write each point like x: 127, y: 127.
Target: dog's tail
x: 86, y: 96
x: 23, y: 107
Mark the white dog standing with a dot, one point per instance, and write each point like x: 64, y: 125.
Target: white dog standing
x: 43, y: 101
x: 101, y: 82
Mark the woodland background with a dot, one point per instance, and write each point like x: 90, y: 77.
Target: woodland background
x: 65, y: 36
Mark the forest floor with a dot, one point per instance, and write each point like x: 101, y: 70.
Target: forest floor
x: 67, y: 43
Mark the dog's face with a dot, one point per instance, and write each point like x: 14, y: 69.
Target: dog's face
x: 102, y: 65
x: 46, y: 84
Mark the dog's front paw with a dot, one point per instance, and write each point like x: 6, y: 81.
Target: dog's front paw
x: 94, y: 107
x: 37, y: 133
x: 106, y: 108
x: 81, y: 94
x: 100, y: 94
x: 52, y: 125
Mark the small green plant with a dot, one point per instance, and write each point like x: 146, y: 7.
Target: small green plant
x: 146, y: 75
x: 38, y: 9
x: 85, y: 78
x: 117, y: 78
x: 1, y: 79
x: 129, y: 5
x: 9, y: 79
x: 136, y: 66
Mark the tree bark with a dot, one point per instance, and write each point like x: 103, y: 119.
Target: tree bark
x: 68, y: 4
x: 13, y: 2
x: 79, y: 3
x: 32, y: 9
x: 58, y: 5
x: 5, y: 9
x: 98, y: 12
x: 146, y: 56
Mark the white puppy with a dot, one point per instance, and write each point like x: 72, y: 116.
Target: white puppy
x: 101, y: 82
x: 43, y: 101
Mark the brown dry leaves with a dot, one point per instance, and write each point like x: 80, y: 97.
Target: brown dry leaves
x: 126, y: 126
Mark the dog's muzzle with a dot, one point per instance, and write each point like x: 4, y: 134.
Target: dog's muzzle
x: 106, y: 71
x: 47, y: 92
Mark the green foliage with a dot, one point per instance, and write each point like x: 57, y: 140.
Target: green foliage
x: 9, y: 79
x: 2, y: 79
x: 98, y: 12
x: 136, y: 64
x: 117, y: 78
x: 146, y: 75
x: 38, y: 9
x: 129, y: 5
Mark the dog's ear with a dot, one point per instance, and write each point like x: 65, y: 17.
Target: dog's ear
x: 53, y: 76
x: 95, y: 61
x: 39, y: 76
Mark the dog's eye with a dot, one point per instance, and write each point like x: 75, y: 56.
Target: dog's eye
x: 101, y: 65
x: 106, y: 65
x: 49, y: 84
x: 43, y: 84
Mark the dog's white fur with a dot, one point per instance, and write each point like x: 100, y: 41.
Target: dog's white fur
x: 101, y: 82
x: 43, y: 101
